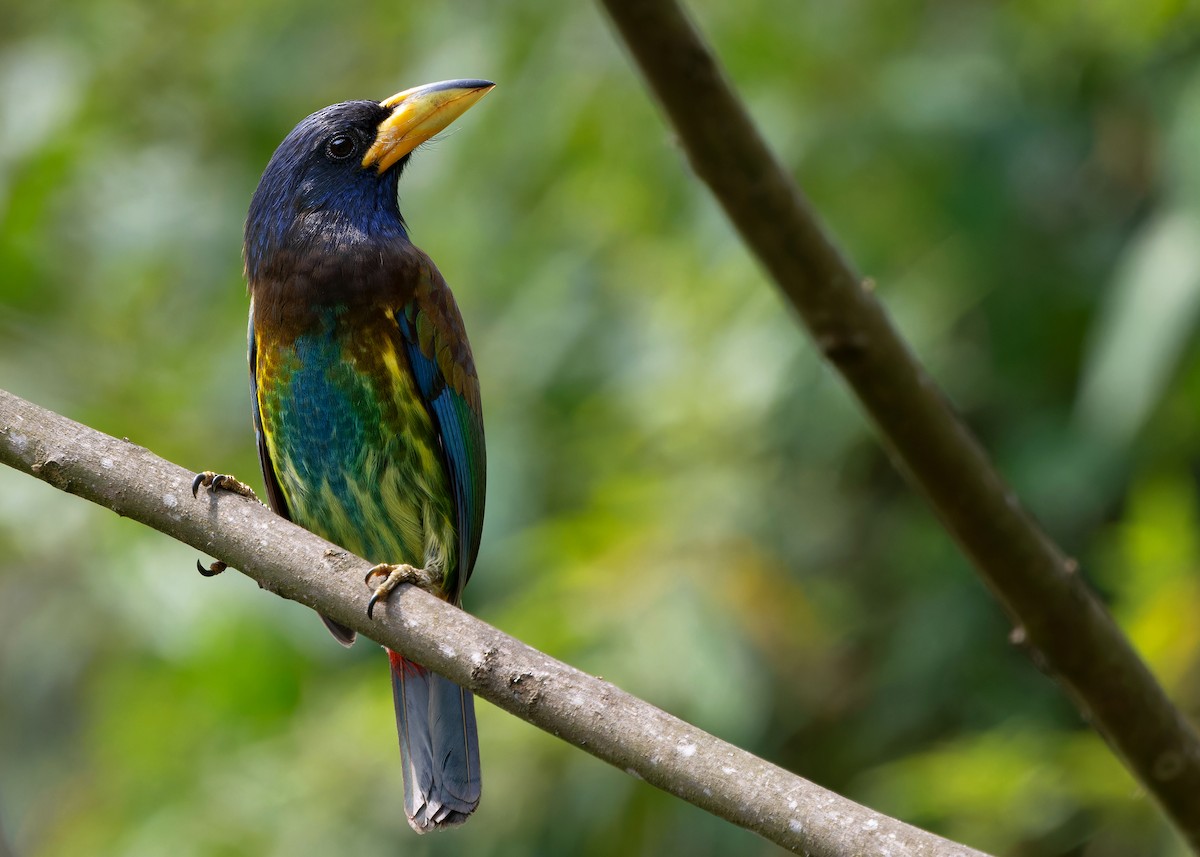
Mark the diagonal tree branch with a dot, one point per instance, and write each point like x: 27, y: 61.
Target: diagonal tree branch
x: 594, y: 715
x: 1055, y: 611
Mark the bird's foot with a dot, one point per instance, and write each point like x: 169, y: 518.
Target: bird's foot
x: 221, y: 482
x: 393, y: 576
x: 218, y: 482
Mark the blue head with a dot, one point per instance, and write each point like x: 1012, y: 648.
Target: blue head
x: 331, y: 186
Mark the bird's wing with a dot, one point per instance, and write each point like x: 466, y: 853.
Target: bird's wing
x: 435, y: 342
x: 274, y: 492
x: 275, y: 497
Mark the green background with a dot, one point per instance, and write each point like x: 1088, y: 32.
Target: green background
x: 682, y: 498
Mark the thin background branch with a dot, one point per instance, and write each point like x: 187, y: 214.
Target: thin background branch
x: 594, y: 715
x: 1055, y: 611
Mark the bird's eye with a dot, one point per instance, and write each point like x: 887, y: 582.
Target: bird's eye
x: 340, y: 146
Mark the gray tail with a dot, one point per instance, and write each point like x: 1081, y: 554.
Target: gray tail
x: 439, y: 746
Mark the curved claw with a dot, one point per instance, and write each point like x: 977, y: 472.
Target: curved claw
x: 213, y: 570
x: 204, y: 478
x: 384, y: 589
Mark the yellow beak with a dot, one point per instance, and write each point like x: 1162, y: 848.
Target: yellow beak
x: 418, y: 114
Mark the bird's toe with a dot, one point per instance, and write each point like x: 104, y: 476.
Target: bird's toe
x: 393, y: 576
x: 221, y: 482
x: 215, y: 568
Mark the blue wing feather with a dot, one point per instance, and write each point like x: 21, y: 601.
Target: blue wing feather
x: 460, y: 429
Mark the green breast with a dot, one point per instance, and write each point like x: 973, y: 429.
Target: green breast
x: 353, y: 446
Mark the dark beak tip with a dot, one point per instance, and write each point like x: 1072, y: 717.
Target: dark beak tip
x: 469, y: 83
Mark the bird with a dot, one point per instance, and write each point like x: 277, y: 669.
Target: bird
x: 366, y: 400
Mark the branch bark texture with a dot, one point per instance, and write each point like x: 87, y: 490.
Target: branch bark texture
x: 594, y: 715
x: 1055, y: 611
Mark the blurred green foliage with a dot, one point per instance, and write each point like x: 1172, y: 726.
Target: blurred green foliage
x: 682, y: 498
